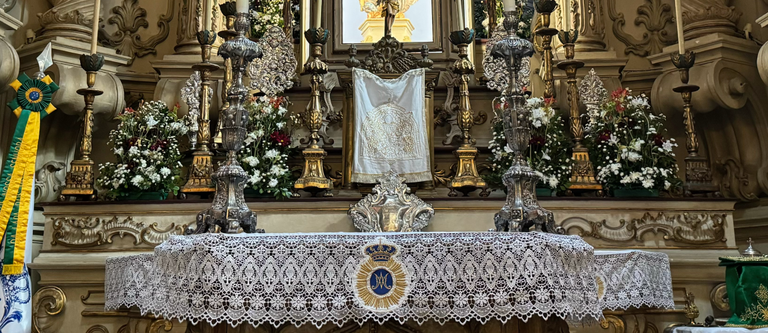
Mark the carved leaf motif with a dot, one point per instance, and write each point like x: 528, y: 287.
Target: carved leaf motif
x: 388, y: 56
x: 129, y: 18
x: 90, y: 231
x: 390, y: 207
x: 654, y: 15
x: 689, y: 228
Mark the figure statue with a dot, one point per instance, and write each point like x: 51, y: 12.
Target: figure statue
x: 388, y: 9
x: 391, y: 9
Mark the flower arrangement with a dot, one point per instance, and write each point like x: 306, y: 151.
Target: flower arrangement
x: 628, y: 147
x: 265, y: 13
x: 267, y: 147
x: 548, y: 150
x: 146, y: 147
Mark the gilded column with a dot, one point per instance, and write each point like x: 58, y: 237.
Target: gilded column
x: 545, y: 8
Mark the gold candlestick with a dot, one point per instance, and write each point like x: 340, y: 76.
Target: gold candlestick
x: 466, y: 179
x: 313, y: 178
x: 698, y: 175
x: 79, y: 182
x: 201, y: 170
x: 583, y: 173
x: 228, y: 9
x: 545, y: 8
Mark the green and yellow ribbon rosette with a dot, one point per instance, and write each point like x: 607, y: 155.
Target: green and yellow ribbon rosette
x: 32, y: 103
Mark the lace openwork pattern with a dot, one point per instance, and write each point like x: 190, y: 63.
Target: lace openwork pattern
x: 312, y: 278
x: 633, y: 279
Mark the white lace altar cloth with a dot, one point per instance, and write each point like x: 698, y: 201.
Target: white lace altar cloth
x: 633, y: 279
x: 390, y: 127
x: 312, y: 278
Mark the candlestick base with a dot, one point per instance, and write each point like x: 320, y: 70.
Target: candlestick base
x: 80, y: 178
x: 467, y: 179
x: 583, y: 174
x: 313, y: 179
x: 200, y: 173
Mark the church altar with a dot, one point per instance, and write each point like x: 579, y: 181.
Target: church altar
x: 333, y: 278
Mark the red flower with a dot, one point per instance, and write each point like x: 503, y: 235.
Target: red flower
x: 537, y: 141
x: 128, y: 110
x: 658, y: 140
x: 277, y: 101
x: 604, y: 136
x: 280, y: 138
x: 132, y: 141
x: 549, y: 101
x: 620, y: 108
x: 619, y: 94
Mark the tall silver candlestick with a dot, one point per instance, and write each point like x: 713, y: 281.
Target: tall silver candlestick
x: 521, y: 212
x: 229, y: 213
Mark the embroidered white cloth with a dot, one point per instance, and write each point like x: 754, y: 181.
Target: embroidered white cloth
x: 336, y: 278
x: 390, y: 127
x: 633, y: 279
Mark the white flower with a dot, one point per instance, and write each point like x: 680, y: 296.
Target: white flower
x: 281, y: 110
x: 272, y: 182
x: 119, y: 151
x: 251, y: 160
x: 667, y: 185
x: 545, y: 156
x: 553, y: 182
x: 165, y: 171
x: 667, y: 146
x: 136, y: 180
x: 151, y: 122
x: 280, y: 125
x: 614, y: 140
x: 637, y: 145
x: 272, y: 153
x: 648, y: 183
x: 133, y: 151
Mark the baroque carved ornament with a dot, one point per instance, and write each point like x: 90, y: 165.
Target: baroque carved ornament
x: 688, y: 228
x: 129, y: 18
x: 391, y: 208
x: 273, y: 73
x: 654, y: 16
x: 90, y: 231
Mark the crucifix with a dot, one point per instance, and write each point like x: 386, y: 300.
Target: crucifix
x: 391, y: 8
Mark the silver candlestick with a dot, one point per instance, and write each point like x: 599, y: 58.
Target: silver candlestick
x: 229, y: 213
x: 521, y: 212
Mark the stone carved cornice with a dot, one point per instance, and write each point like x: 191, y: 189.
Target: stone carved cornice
x: 653, y: 15
x: 68, y: 18
x: 692, y: 228
x: 93, y: 231
x: 703, y: 17
x: 129, y: 18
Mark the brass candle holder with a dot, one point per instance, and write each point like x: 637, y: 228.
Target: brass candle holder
x: 229, y: 10
x: 79, y: 182
x: 467, y: 178
x: 583, y: 173
x: 199, y: 180
x: 545, y: 8
x: 698, y: 175
x: 313, y: 178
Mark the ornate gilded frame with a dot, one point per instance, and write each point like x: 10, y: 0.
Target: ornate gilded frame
x: 439, y: 25
x: 400, y: 62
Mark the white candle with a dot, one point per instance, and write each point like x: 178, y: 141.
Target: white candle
x: 242, y: 6
x: 679, y: 21
x: 462, y: 15
x: 510, y: 5
x: 95, y: 34
x: 567, y: 15
x: 208, y: 19
x: 318, y: 13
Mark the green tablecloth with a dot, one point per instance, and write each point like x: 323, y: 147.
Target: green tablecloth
x: 746, y: 279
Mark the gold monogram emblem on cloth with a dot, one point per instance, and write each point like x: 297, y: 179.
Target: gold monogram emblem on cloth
x: 382, y: 282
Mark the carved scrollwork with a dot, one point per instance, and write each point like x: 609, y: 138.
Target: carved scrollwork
x: 49, y: 180
x: 689, y: 228
x: 654, y: 16
x: 611, y: 320
x: 48, y: 301
x: 129, y: 18
x: 391, y: 208
x: 736, y: 181
x: 273, y: 73
x: 388, y: 57
x: 90, y: 231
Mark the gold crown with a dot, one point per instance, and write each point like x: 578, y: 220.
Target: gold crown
x: 380, y: 252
